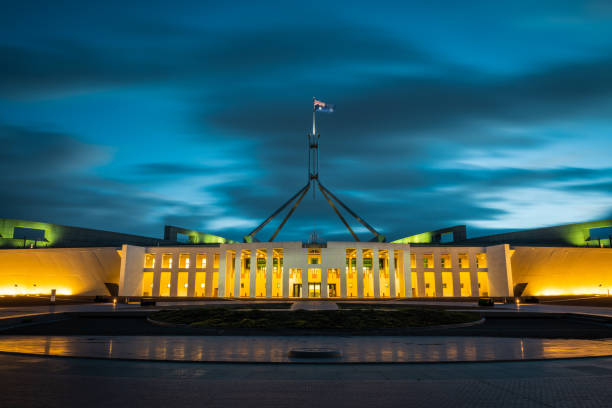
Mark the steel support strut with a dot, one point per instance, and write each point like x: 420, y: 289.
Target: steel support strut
x: 379, y: 237
x: 338, y: 212
x: 289, y: 213
x: 313, y: 178
x: 249, y: 238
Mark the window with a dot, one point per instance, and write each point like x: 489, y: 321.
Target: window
x: 182, y: 284
x: 428, y: 262
x: 464, y: 261
x: 149, y: 261
x: 314, y: 256
x: 445, y: 261
x: 466, y: 288
x: 351, y: 275
x: 184, y: 261
x: 413, y: 261
x: 481, y: 261
x: 483, y: 284
x: 447, y: 284
x: 167, y: 261
x: 147, y: 284
x: 200, y: 285
x: 430, y: 284
x: 201, y: 261
x: 164, y: 284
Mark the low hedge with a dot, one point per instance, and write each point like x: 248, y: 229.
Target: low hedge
x: 323, y: 319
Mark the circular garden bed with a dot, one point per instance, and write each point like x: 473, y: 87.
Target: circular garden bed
x: 223, y: 318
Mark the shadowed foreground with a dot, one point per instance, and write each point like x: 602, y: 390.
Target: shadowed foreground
x: 54, y: 382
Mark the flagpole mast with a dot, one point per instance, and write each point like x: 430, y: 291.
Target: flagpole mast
x: 312, y: 161
x: 314, y: 129
x: 313, y: 178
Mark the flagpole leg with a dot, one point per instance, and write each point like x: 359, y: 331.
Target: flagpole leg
x: 314, y: 128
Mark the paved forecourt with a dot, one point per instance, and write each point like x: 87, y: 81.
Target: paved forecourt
x: 36, y: 381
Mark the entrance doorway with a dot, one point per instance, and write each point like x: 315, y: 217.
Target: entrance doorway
x: 297, y: 290
x: 314, y: 290
x: 331, y: 290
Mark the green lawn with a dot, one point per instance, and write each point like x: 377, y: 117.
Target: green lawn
x: 302, y: 319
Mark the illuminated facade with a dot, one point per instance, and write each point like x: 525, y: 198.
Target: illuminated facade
x: 332, y: 270
x: 198, y: 265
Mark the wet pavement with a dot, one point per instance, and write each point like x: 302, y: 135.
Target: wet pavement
x: 314, y: 305
x: 21, y: 311
x: 44, y: 382
x: 275, y: 349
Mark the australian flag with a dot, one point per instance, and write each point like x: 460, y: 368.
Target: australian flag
x: 320, y: 106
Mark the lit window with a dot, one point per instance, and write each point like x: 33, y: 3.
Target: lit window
x: 167, y: 261
x: 201, y: 261
x: 445, y: 261
x: 184, y: 261
x: 481, y: 261
x: 149, y: 261
x: 464, y: 262
x: 314, y: 256
x: 428, y: 262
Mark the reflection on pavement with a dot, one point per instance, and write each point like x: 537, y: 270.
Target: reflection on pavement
x: 275, y: 349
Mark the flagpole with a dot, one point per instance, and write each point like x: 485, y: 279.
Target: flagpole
x: 314, y: 132
x: 314, y: 128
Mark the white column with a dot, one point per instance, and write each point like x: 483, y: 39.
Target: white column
x: 407, y: 272
x: 324, y: 293
x: 131, y: 272
x: 305, y: 280
x: 174, y: 275
x: 269, y: 271
x: 253, y: 273
x: 438, y: 278
x: 376, y: 271
x: 473, y: 274
x: 343, y: 273
x: 392, y: 289
x: 284, y: 278
x: 456, y: 275
x: 156, y: 274
x: 208, y: 278
x: 222, y: 272
x: 359, y: 254
x: 499, y: 270
x: 237, y: 272
x: 191, y: 275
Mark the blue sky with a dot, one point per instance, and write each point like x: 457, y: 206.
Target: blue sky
x: 130, y: 116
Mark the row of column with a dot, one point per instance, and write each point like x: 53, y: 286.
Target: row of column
x: 209, y: 270
x: 290, y: 259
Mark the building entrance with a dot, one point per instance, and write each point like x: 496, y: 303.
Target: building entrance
x: 297, y: 290
x: 331, y: 290
x: 314, y: 290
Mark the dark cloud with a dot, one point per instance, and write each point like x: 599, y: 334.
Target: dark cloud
x: 58, y: 65
x: 171, y: 169
x: 406, y: 105
x: 404, y: 120
x: 48, y: 176
x: 401, y: 204
x: 601, y: 187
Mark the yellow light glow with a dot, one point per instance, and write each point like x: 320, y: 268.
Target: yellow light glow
x: 573, y: 291
x: 19, y: 290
